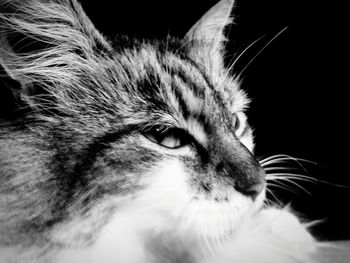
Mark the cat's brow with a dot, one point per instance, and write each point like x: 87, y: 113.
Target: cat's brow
x: 180, y: 73
x: 196, y: 129
x: 190, y: 100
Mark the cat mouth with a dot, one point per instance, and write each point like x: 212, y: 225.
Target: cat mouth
x: 218, y: 217
x: 188, y: 210
x: 227, y: 194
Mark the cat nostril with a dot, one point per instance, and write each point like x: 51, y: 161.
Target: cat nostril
x: 255, y: 190
x: 252, y: 191
x: 208, y: 187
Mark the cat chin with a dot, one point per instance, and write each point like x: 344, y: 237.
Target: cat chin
x: 269, y: 236
x: 176, y: 228
x: 273, y: 236
x: 163, y: 221
x: 148, y: 229
x: 184, y: 212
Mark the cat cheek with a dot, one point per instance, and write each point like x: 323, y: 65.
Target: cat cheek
x: 167, y: 187
x: 248, y: 142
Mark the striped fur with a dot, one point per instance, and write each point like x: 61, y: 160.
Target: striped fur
x: 89, y: 167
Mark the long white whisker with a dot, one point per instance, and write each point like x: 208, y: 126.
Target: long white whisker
x: 277, y: 203
x: 243, y: 52
x: 288, y: 157
x: 280, y: 185
x: 299, y: 177
x: 279, y: 168
x: 261, y: 160
x: 276, y: 161
x: 286, y: 178
x: 278, y: 180
x: 284, y: 158
x: 261, y: 50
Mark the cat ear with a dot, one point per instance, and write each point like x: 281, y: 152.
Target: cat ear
x: 206, y: 37
x: 211, y: 26
x: 46, y: 44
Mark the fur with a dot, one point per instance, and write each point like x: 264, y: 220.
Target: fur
x: 129, y: 150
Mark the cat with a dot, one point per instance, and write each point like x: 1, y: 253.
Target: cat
x: 129, y: 150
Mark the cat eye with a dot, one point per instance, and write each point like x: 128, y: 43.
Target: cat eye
x: 168, y: 137
x: 240, y: 123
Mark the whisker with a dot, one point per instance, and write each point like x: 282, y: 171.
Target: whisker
x: 299, y: 177
x: 261, y: 50
x: 269, y: 164
x: 284, y: 178
x: 263, y: 159
x: 280, y: 168
x: 288, y: 179
x: 274, y: 158
x: 284, y: 158
x: 280, y: 185
x: 236, y: 59
x: 278, y: 203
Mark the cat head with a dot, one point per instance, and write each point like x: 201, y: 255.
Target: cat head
x: 93, y: 126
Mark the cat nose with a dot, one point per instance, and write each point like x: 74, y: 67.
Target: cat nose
x: 252, y: 190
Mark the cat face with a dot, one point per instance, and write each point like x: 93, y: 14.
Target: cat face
x: 154, y: 128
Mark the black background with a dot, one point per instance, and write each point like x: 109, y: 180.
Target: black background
x: 298, y: 84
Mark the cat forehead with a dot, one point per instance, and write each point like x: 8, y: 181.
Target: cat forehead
x: 181, y: 82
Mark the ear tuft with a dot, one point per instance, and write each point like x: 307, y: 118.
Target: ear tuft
x: 205, y: 39
x: 46, y: 46
x: 211, y: 26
